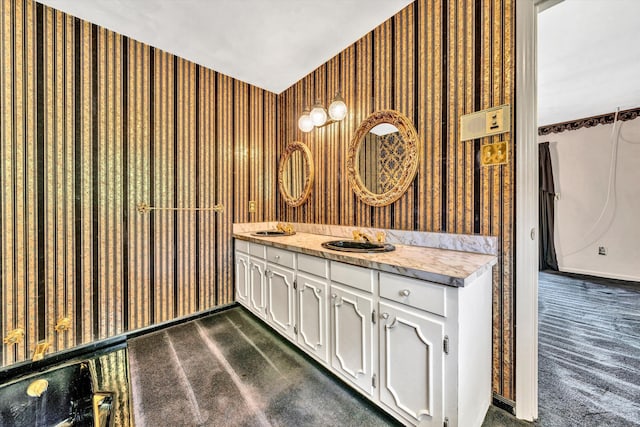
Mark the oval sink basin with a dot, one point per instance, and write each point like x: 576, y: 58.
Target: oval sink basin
x: 271, y: 233
x: 358, y: 246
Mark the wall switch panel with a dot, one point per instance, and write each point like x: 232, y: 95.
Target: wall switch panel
x: 494, y: 154
x: 480, y: 124
x: 252, y: 206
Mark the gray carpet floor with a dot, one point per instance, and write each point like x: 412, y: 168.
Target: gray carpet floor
x: 589, y: 352
x: 230, y: 370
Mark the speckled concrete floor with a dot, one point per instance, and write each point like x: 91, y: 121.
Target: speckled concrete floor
x: 230, y: 370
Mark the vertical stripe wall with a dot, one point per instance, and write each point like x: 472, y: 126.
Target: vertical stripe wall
x: 434, y: 61
x: 93, y: 123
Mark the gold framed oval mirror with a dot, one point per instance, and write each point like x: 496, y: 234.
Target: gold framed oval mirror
x: 295, y: 174
x: 383, y: 157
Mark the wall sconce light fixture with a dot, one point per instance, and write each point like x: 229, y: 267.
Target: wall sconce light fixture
x: 319, y: 117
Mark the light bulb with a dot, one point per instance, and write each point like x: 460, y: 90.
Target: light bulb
x: 304, y: 122
x: 318, y: 115
x: 338, y: 109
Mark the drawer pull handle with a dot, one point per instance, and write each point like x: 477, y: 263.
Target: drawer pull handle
x: 405, y: 292
x: 277, y: 257
x: 385, y: 316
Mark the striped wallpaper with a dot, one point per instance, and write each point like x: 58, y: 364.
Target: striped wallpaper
x: 434, y: 61
x: 93, y: 123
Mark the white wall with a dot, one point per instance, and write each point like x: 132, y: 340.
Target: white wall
x: 581, y: 162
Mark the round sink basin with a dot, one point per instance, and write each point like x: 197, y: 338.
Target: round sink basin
x: 271, y: 233
x: 358, y: 246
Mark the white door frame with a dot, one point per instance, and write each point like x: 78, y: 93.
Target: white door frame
x: 526, y: 223
x: 526, y: 158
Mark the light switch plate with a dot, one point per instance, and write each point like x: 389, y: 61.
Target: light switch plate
x: 489, y: 122
x: 494, y: 154
x: 252, y: 206
x: 495, y: 121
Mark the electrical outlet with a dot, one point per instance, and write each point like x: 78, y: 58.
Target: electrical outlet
x: 252, y: 206
x: 494, y: 154
x: 602, y: 250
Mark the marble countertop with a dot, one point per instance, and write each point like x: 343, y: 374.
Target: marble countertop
x: 447, y: 267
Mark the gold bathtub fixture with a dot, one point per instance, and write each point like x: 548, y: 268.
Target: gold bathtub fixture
x: 14, y: 336
x: 144, y: 208
x: 41, y: 349
x: 64, y: 324
x: 285, y: 228
x: 37, y: 387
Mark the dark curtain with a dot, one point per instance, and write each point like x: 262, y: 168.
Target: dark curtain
x: 548, y: 260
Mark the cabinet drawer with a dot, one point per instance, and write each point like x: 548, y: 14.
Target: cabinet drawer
x: 280, y: 257
x: 242, y: 246
x: 414, y: 293
x: 313, y: 265
x: 257, y: 250
x: 357, y: 277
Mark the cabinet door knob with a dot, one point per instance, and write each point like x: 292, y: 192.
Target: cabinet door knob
x: 385, y: 316
x: 334, y: 296
x: 277, y: 257
x: 405, y: 292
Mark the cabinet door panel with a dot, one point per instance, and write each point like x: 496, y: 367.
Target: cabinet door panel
x: 257, y: 302
x: 312, y: 308
x: 411, y: 364
x: 280, y: 307
x: 242, y: 278
x: 352, y: 332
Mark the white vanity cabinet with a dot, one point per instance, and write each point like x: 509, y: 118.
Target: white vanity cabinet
x: 242, y: 277
x: 352, y: 325
x: 250, y: 279
x: 281, y: 299
x: 313, y: 315
x: 412, y: 348
x: 421, y: 351
x: 257, y: 287
x: 412, y: 363
x: 281, y: 295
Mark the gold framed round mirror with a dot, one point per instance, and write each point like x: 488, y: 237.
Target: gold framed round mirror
x: 295, y: 174
x: 383, y: 157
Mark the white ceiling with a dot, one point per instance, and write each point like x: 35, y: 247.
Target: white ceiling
x: 588, y: 59
x: 588, y: 55
x: 270, y: 44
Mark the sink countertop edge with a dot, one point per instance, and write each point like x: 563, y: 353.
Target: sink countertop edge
x: 369, y: 260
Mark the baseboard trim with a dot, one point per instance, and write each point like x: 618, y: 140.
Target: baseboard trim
x: 101, y: 346
x: 174, y: 322
x: 580, y: 275
x: 504, y: 404
x: 599, y: 274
